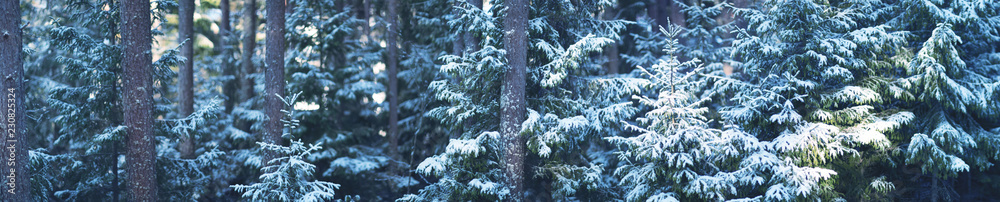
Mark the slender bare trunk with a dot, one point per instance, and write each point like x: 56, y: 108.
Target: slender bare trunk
x: 612, y: 50
x: 18, y: 188
x: 653, y: 10
x: 512, y: 101
x: 227, y: 68
x: 185, y: 84
x: 249, y: 44
x: 274, y: 74
x: 934, y: 189
x: 391, y: 70
x: 471, y: 42
x: 138, y: 99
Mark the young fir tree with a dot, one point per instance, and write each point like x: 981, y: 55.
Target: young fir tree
x: 288, y: 177
x: 677, y: 156
x: 952, y: 83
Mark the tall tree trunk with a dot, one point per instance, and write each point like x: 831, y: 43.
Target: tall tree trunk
x: 366, y: 6
x: 17, y: 187
x: 185, y: 84
x: 471, y: 45
x: 512, y: 101
x: 676, y: 16
x: 274, y: 74
x: 227, y: 69
x: 391, y: 70
x: 934, y: 189
x: 653, y: 10
x: 612, y: 50
x: 249, y: 44
x: 138, y: 99
x: 471, y: 42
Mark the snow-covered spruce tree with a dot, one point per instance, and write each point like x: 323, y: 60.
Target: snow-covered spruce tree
x: 675, y: 143
x: 952, y: 80
x: 816, y: 83
x: 949, y: 137
x: 569, y: 109
x: 677, y: 156
x: 288, y: 177
x: 190, y: 179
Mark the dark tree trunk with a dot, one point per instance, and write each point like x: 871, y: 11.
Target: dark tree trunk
x: 391, y: 70
x: 16, y: 188
x: 471, y: 45
x: 366, y: 6
x: 654, y: 12
x: 512, y: 101
x: 274, y: 74
x: 676, y: 16
x: 229, y: 90
x: 471, y: 42
x: 458, y: 46
x: 249, y: 44
x: 185, y: 84
x: 612, y: 50
x: 138, y: 99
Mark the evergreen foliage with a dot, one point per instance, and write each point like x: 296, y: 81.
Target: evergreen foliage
x: 770, y: 100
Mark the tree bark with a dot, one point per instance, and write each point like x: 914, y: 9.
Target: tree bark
x: 138, y: 99
x: 512, y: 101
x: 185, y: 84
x: 18, y: 187
x: 274, y: 74
x: 249, y: 44
x: 227, y: 69
x: 391, y: 70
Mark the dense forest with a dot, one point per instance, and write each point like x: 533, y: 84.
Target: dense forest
x: 500, y: 100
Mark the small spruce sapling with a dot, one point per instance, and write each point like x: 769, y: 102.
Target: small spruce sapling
x: 289, y: 177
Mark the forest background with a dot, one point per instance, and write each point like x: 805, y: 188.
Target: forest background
x: 534, y: 100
